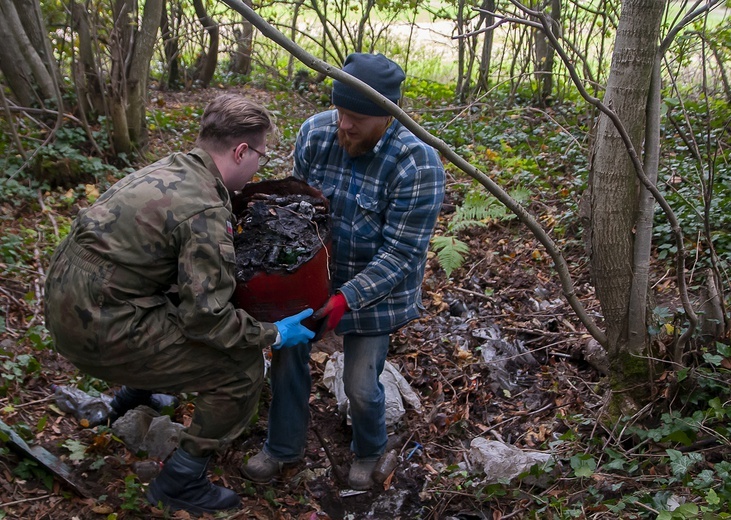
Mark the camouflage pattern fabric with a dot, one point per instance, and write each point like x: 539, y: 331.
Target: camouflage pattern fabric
x: 110, y: 288
x: 139, y: 292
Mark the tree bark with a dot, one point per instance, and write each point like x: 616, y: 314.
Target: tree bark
x: 486, y: 59
x: 131, y: 51
x: 169, y: 34
x: 37, y: 75
x: 89, y: 84
x: 208, y: 67
x: 613, y: 189
x: 241, y: 60
x: 544, y: 53
x: 32, y: 20
x: 141, y: 55
x: 15, y: 70
x: 119, y: 45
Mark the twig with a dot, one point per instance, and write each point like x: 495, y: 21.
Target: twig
x: 337, y: 470
x: 6, y: 504
x: 638, y: 503
x: 29, y: 403
x: 473, y: 293
x: 560, y: 264
x: 11, y: 124
x: 50, y: 215
x: 13, y: 298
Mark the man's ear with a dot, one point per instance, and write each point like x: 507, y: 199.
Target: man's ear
x: 239, y: 152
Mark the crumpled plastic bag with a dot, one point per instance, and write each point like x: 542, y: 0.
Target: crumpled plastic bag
x: 396, y: 387
x: 503, y: 461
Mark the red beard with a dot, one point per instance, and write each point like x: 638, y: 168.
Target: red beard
x: 358, y: 147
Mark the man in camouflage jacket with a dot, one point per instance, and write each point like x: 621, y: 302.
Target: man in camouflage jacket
x: 139, y: 293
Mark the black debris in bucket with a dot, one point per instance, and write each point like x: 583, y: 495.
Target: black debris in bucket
x: 278, y: 233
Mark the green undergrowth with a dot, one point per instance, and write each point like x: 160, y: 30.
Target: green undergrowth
x: 674, y: 465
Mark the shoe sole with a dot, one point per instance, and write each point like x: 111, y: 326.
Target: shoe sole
x: 172, y: 504
x: 259, y: 480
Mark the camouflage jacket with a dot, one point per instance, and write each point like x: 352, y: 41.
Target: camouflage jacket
x: 149, y: 264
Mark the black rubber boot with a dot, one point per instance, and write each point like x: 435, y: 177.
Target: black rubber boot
x: 126, y: 399
x: 183, y: 484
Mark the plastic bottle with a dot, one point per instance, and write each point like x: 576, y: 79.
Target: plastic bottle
x: 71, y: 400
x: 384, y: 467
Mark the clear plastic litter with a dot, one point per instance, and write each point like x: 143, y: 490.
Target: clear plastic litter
x: 81, y: 405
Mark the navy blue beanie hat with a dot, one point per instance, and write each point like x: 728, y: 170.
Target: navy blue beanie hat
x: 375, y: 70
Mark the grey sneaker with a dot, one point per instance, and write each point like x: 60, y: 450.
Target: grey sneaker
x: 261, y: 468
x: 360, y: 477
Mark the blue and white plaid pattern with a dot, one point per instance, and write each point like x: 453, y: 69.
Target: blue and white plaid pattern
x: 384, y: 207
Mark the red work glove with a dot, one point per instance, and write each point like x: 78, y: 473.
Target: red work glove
x: 333, y: 309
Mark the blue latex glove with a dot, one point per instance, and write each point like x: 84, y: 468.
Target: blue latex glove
x: 291, y: 330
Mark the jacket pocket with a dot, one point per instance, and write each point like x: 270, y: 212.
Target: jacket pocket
x: 368, y: 222
x: 228, y: 253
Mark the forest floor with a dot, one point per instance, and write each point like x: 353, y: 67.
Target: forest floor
x: 507, y: 286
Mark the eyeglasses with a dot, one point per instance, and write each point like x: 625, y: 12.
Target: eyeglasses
x: 263, y: 158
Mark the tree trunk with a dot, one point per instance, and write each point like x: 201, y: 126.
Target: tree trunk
x: 139, y: 68
x: 131, y: 51
x: 15, y: 70
x: 89, y: 84
x: 37, y: 75
x: 488, y: 20
x: 462, y: 81
x: 208, y: 66
x: 545, y: 54
x: 32, y: 20
x: 292, y: 35
x: 364, y: 17
x: 613, y: 190
x: 241, y: 60
x: 169, y: 35
x: 119, y: 45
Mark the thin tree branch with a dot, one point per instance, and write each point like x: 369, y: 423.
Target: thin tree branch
x: 11, y: 124
x: 634, y: 157
x: 525, y: 217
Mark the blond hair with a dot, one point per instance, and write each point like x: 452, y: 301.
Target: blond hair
x: 232, y: 118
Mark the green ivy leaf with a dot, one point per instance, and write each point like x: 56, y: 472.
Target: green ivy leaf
x: 583, y: 465
x: 681, y: 464
x: 712, y: 498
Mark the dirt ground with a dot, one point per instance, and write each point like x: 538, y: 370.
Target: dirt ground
x: 507, y: 284
x: 438, y: 355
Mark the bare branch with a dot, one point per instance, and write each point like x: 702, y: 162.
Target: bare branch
x: 636, y: 162
x: 552, y: 249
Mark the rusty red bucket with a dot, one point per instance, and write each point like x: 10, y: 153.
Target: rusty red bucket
x: 268, y: 288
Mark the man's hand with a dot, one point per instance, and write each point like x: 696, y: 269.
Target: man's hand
x: 334, y: 309
x: 292, y: 332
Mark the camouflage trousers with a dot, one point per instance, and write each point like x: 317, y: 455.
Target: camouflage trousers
x: 228, y: 389
x: 134, y: 342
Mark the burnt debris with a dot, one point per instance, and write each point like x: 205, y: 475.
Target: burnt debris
x: 279, y: 233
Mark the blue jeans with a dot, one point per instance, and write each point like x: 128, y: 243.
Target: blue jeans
x: 289, y: 412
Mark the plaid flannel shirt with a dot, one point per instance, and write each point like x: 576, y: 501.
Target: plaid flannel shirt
x: 384, y: 206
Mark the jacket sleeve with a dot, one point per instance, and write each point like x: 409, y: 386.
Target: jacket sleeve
x: 206, y: 283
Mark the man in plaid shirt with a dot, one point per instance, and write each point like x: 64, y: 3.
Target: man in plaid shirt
x: 385, y: 188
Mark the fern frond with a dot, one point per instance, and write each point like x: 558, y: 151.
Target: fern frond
x: 450, y: 252
x: 464, y: 224
x: 521, y: 194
